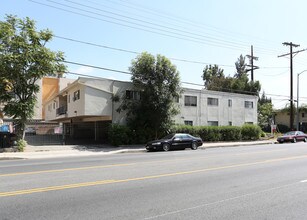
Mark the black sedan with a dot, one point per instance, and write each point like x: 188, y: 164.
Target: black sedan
x: 292, y: 136
x: 175, y: 141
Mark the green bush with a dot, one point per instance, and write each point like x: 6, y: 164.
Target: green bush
x: 230, y: 133
x: 119, y: 135
x: 221, y: 133
x: 250, y: 132
x: 213, y: 133
x: 21, y: 144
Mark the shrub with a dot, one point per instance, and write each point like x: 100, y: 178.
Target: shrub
x: 250, y: 132
x: 213, y: 133
x: 21, y: 144
x: 230, y: 133
x: 119, y: 134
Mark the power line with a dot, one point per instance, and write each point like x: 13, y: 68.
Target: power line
x: 142, y: 27
x: 129, y: 73
x: 212, y: 41
x: 291, y: 78
x: 176, y: 18
x: 97, y: 67
x: 138, y: 53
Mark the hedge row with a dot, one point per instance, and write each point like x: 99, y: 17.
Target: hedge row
x: 221, y: 133
x: 122, y: 135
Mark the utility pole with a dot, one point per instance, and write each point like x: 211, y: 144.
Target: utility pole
x: 251, y: 61
x: 291, y: 78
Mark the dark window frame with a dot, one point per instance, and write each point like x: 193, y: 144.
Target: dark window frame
x: 190, y: 100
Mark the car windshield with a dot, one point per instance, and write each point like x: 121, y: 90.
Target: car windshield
x: 168, y: 136
x: 290, y: 133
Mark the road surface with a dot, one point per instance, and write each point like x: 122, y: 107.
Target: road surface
x: 251, y: 182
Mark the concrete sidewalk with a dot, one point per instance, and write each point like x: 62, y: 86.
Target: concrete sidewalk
x: 53, y: 151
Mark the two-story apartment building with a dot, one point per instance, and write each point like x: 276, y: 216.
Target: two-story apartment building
x: 87, y: 106
x: 213, y: 108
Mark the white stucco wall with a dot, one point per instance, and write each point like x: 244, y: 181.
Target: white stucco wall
x: 96, y: 99
x: 97, y: 102
x: 77, y: 107
x: 236, y: 114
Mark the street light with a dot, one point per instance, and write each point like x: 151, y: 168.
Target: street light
x: 297, y: 111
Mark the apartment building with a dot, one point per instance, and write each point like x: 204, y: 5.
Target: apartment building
x: 86, y: 108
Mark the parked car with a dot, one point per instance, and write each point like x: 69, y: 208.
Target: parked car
x: 175, y: 141
x: 292, y: 136
x: 30, y: 131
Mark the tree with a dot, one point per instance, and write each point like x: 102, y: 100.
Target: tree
x: 24, y: 60
x: 265, y: 112
x: 214, y: 79
x: 241, y: 68
x: 158, y: 83
x: 211, y: 75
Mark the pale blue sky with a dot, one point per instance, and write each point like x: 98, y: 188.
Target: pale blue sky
x: 206, y: 31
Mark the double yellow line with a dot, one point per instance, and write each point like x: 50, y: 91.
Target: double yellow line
x: 67, y: 169
x: 103, y: 182
x: 115, y: 165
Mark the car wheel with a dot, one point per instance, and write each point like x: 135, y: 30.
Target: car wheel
x: 305, y: 139
x: 166, y: 147
x: 194, y: 146
x: 294, y: 140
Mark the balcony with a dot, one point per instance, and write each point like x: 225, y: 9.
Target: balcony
x: 61, y: 110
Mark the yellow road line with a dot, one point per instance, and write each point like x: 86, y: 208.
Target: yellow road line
x: 102, y: 182
x: 115, y: 165
x: 67, y: 169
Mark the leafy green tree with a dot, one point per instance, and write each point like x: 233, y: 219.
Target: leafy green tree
x: 214, y: 79
x: 241, y: 68
x: 158, y: 83
x: 242, y: 83
x: 265, y: 112
x: 212, y: 75
x: 24, y: 60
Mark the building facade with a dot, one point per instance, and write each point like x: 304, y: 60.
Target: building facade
x: 283, y: 118
x: 86, y: 108
x: 213, y: 108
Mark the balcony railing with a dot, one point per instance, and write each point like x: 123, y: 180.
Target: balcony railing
x: 61, y: 110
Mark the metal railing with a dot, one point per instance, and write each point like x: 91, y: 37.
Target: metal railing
x: 61, y: 110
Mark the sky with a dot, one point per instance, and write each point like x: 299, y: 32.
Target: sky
x: 192, y: 33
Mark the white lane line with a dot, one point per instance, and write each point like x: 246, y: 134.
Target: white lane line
x: 223, y: 200
x: 303, y: 181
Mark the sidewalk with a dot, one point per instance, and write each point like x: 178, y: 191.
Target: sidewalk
x: 52, y: 151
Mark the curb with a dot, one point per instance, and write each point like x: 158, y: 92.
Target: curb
x: 51, y: 153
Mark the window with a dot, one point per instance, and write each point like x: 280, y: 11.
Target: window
x: 190, y: 101
x: 68, y: 98
x: 249, y: 122
x: 213, y: 123
x: 188, y: 123
x: 303, y: 115
x: 213, y: 101
x: 176, y: 99
x: 76, y: 95
x: 249, y: 104
x: 230, y: 123
x: 229, y: 103
x: 133, y: 95
x: 54, y: 104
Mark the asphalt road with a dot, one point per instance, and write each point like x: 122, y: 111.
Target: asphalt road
x: 251, y: 182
